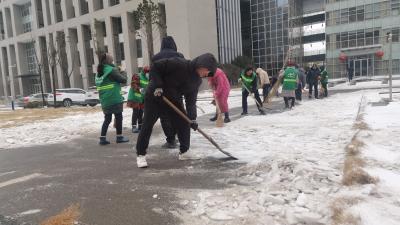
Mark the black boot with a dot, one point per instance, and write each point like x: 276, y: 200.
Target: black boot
x: 122, y: 139
x: 103, y: 141
x: 227, y: 120
x: 134, y: 129
x: 214, y: 118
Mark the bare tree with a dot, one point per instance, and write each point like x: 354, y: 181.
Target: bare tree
x: 148, y: 14
x: 39, y: 63
x: 53, y: 54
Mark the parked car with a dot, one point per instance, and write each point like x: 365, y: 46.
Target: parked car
x: 35, y: 100
x: 70, y: 96
x: 92, y: 96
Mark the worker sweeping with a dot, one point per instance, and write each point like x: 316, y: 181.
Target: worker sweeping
x: 290, y: 80
x: 221, y: 88
x: 248, y: 78
x: 174, y: 79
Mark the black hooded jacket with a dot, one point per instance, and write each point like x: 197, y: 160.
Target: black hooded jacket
x: 168, y: 50
x: 178, y: 78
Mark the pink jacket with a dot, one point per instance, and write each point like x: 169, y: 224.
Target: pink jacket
x: 220, y: 84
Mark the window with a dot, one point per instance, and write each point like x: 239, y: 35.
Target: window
x: 395, y: 35
x: 377, y: 9
x: 344, y: 38
x: 344, y: 16
x: 114, y: 2
x: 376, y: 37
x: 368, y: 12
x: 352, y: 15
x: 352, y: 39
x: 360, y: 13
x: 360, y: 38
x: 369, y: 37
x: 337, y: 41
x: 30, y: 57
x: 395, y: 6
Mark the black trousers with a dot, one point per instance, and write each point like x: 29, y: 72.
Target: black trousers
x: 107, y: 121
x: 325, y: 87
x: 299, y: 92
x: 265, y: 91
x: 286, y: 99
x: 137, y: 117
x: 167, y: 127
x: 311, y: 86
x: 245, y: 94
x: 153, y: 109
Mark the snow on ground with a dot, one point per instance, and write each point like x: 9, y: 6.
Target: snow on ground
x: 382, y: 154
x: 293, y: 165
x: 75, y: 126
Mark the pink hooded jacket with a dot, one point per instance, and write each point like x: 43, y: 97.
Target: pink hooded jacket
x: 220, y: 84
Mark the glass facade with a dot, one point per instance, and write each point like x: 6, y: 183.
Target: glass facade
x: 270, y: 34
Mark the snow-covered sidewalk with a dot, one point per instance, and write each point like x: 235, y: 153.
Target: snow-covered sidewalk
x: 293, y: 165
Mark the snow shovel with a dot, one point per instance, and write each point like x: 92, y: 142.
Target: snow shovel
x: 183, y: 115
x: 219, y: 122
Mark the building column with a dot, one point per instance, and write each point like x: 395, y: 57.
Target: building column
x: 83, y: 58
x: 52, y: 11
x: 71, y: 49
x: 35, y: 18
x: 14, y: 18
x: 130, y: 47
x: 3, y: 74
x: 58, y: 66
x: 77, y: 7
x: 11, y: 71
x: 44, y: 11
x: 110, y: 37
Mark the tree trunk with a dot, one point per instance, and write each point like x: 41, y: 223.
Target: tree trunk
x: 149, y: 35
x: 41, y: 84
x: 54, y: 86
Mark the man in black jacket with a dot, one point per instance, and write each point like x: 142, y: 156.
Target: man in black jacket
x: 313, y: 77
x: 168, y: 50
x: 173, y: 78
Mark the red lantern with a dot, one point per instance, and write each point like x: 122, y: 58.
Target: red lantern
x: 379, y: 53
x: 342, y: 57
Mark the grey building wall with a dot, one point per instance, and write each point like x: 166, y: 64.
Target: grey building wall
x: 358, y: 30
x: 78, y: 28
x: 229, y: 30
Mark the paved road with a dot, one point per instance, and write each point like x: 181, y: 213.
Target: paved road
x: 105, y: 180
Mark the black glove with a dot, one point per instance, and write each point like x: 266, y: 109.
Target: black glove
x: 194, y: 125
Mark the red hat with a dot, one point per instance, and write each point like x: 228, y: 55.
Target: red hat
x: 146, y: 69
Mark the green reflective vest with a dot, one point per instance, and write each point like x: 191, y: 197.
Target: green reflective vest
x: 324, y: 77
x: 137, y: 96
x: 290, y: 79
x: 248, y: 80
x: 109, y: 91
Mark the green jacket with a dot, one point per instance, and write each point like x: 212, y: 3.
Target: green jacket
x: 109, y: 91
x: 248, y: 81
x: 324, y: 77
x: 290, y: 78
x: 138, y: 96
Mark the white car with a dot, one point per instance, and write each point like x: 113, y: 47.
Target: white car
x: 72, y: 96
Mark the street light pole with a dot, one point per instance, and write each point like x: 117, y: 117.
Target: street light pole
x: 390, y: 67
x: 12, y: 89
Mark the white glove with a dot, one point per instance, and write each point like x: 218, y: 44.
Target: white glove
x: 158, y: 92
x: 240, y: 80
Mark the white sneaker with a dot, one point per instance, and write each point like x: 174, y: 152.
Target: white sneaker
x: 141, y: 161
x: 187, y: 156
